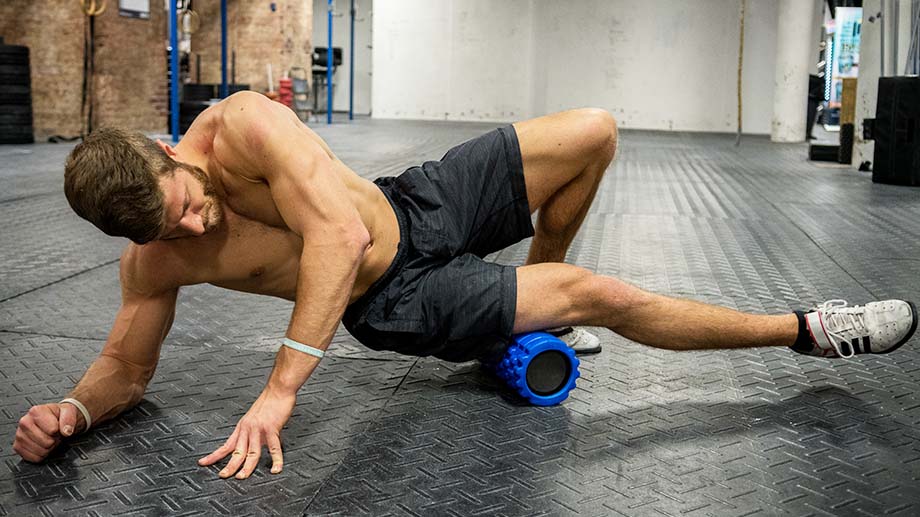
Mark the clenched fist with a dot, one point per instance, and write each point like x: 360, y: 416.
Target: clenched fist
x: 43, y: 428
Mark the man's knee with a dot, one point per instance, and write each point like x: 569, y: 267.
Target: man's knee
x: 600, y: 130
x: 581, y: 293
x: 601, y: 299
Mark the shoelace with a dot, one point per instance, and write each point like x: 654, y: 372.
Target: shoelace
x: 840, y: 317
x: 574, y: 338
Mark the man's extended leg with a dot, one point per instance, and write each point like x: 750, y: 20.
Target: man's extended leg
x: 565, y: 156
x: 551, y: 295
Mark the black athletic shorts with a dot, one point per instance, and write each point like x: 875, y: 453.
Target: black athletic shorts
x: 439, y: 297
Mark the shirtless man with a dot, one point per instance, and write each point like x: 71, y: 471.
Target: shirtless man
x: 253, y: 200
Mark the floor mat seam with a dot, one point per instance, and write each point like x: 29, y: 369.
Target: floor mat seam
x: 362, y: 435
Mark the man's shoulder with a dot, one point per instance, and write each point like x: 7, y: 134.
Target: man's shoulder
x: 244, y: 108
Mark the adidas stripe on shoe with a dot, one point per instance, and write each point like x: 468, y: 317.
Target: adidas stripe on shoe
x: 839, y: 330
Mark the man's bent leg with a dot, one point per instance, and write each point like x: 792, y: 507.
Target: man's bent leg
x: 552, y: 295
x: 564, y: 156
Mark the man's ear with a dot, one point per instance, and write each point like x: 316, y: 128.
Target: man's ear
x: 168, y: 149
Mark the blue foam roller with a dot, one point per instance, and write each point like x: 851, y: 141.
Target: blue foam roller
x: 540, y: 367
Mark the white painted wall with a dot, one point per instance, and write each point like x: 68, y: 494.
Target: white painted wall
x: 904, y: 26
x: 659, y: 64
x: 656, y: 64
x: 457, y: 60
x: 341, y: 28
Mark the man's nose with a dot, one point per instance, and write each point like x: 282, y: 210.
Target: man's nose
x: 193, y: 225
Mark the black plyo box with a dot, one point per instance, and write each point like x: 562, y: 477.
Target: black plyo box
x: 897, y: 131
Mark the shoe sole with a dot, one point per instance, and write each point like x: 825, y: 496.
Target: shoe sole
x: 910, y: 333
x: 587, y: 351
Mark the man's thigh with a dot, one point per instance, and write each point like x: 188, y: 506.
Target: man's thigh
x: 473, y: 200
x: 556, y: 148
x: 553, y: 294
x: 457, y: 310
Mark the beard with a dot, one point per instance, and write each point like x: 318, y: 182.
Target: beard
x: 212, y: 214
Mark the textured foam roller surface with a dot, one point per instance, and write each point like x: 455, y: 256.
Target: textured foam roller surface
x: 647, y: 431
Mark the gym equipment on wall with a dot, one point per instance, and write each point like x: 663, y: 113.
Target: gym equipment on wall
x: 173, y: 72
x: 224, y: 87
x: 321, y: 57
x: 540, y: 367
x: 301, y: 90
x: 322, y: 77
x: 91, y: 9
x: 330, y: 67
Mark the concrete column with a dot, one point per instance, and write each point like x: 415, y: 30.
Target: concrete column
x: 903, y: 9
x: 817, y: 25
x: 870, y: 68
x: 795, y: 55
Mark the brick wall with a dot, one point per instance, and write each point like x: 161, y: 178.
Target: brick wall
x: 259, y: 35
x: 130, y: 64
x: 131, y: 81
x: 131, y: 88
x: 53, y: 31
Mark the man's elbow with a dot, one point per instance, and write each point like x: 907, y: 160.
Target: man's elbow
x: 356, y: 236
x: 342, y: 239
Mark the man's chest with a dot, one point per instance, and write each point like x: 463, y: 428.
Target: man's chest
x: 247, y: 256
x: 257, y: 258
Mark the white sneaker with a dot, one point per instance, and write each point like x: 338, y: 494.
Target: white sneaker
x: 838, y: 330
x: 578, y: 339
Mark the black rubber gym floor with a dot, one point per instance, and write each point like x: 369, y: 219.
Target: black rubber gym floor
x: 647, y: 431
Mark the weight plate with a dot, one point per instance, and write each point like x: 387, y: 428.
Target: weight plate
x: 14, y: 79
x: 8, y: 122
x: 16, y: 99
x: 14, y: 69
x: 14, y: 60
x: 16, y: 139
x: 24, y: 129
x: 15, y: 109
x: 13, y: 50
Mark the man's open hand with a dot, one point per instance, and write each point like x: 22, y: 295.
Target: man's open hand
x: 261, y: 425
x: 43, y: 428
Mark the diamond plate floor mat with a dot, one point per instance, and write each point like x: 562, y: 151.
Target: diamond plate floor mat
x: 145, y: 462
x: 647, y: 431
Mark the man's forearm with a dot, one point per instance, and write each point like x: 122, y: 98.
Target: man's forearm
x: 324, y: 287
x: 109, y: 387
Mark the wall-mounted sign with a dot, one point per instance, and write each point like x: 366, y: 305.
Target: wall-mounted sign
x: 846, y: 48
x: 134, y: 8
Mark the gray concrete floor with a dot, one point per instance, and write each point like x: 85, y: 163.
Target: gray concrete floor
x: 647, y: 432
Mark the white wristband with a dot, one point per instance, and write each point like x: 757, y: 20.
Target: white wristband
x: 300, y: 347
x: 79, y: 405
